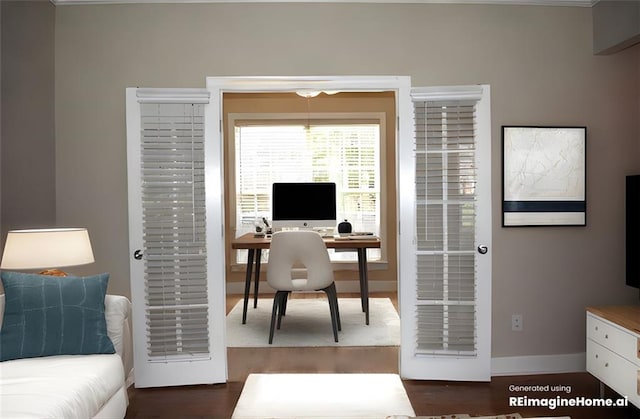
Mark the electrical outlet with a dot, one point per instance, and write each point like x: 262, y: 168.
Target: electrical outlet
x: 516, y: 322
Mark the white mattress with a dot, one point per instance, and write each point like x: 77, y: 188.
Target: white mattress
x: 64, y: 386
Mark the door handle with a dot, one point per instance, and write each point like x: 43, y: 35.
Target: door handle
x: 482, y: 249
x: 137, y: 255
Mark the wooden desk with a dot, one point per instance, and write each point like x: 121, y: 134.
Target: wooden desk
x: 255, y: 245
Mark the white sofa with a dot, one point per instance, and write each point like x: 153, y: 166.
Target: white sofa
x: 72, y: 386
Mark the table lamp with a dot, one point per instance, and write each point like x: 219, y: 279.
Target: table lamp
x: 47, y: 249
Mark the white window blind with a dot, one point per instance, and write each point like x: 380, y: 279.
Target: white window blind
x: 173, y: 204
x: 445, y: 236
x: 345, y: 153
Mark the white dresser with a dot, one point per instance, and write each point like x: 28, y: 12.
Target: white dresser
x: 613, y: 348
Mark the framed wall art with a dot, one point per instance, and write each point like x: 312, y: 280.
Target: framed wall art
x: 544, y: 176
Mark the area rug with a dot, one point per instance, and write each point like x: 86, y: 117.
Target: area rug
x: 287, y: 396
x: 308, y: 323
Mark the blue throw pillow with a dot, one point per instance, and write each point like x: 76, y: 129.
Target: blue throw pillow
x: 48, y: 315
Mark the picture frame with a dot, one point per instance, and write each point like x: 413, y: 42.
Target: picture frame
x: 544, y: 176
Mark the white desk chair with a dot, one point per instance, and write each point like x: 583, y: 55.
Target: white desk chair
x: 288, y: 249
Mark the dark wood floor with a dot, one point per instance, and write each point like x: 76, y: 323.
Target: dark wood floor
x: 427, y: 397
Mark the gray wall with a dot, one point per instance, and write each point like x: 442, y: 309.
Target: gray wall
x: 28, y: 136
x: 538, y: 60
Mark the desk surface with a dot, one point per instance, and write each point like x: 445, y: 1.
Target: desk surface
x: 248, y: 241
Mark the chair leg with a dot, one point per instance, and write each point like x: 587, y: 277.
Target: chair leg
x: 274, y: 311
x: 282, y: 304
x: 277, y: 307
x: 335, y: 299
x: 333, y: 308
x: 332, y: 294
x: 284, y: 308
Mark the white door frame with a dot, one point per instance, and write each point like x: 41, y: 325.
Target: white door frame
x: 401, y: 85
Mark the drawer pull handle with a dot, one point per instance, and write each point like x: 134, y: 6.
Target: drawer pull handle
x: 606, y: 364
x: 606, y: 336
x: 596, y: 328
x: 596, y: 356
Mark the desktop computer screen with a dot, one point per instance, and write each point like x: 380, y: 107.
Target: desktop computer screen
x: 304, y: 205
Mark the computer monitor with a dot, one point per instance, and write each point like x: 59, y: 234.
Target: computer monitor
x: 304, y: 205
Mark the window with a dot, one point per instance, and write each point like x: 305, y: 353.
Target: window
x: 345, y: 151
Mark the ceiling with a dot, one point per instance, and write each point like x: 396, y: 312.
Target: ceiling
x: 572, y: 3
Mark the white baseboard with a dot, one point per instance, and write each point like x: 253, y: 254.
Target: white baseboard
x: 538, y: 364
x: 234, y: 288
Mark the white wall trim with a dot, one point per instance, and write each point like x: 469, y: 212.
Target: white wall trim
x: 444, y: 93
x: 538, y: 364
x: 172, y: 95
x: 572, y: 3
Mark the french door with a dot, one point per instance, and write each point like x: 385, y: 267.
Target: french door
x: 445, y: 236
x: 175, y: 234
x: 444, y: 223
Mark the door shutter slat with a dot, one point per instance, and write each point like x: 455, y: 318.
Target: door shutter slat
x: 445, y: 228
x: 174, y: 227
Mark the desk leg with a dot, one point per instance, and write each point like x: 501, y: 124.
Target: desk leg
x: 247, y: 284
x: 257, y: 284
x: 361, y: 278
x: 364, y: 282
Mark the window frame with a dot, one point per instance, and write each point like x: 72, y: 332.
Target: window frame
x: 323, y: 118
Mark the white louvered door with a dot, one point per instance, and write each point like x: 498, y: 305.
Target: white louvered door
x: 445, y: 239
x: 177, y: 268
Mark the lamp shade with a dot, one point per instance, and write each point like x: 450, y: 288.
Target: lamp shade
x: 47, y: 248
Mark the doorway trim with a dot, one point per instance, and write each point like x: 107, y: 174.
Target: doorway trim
x: 217, y: 86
